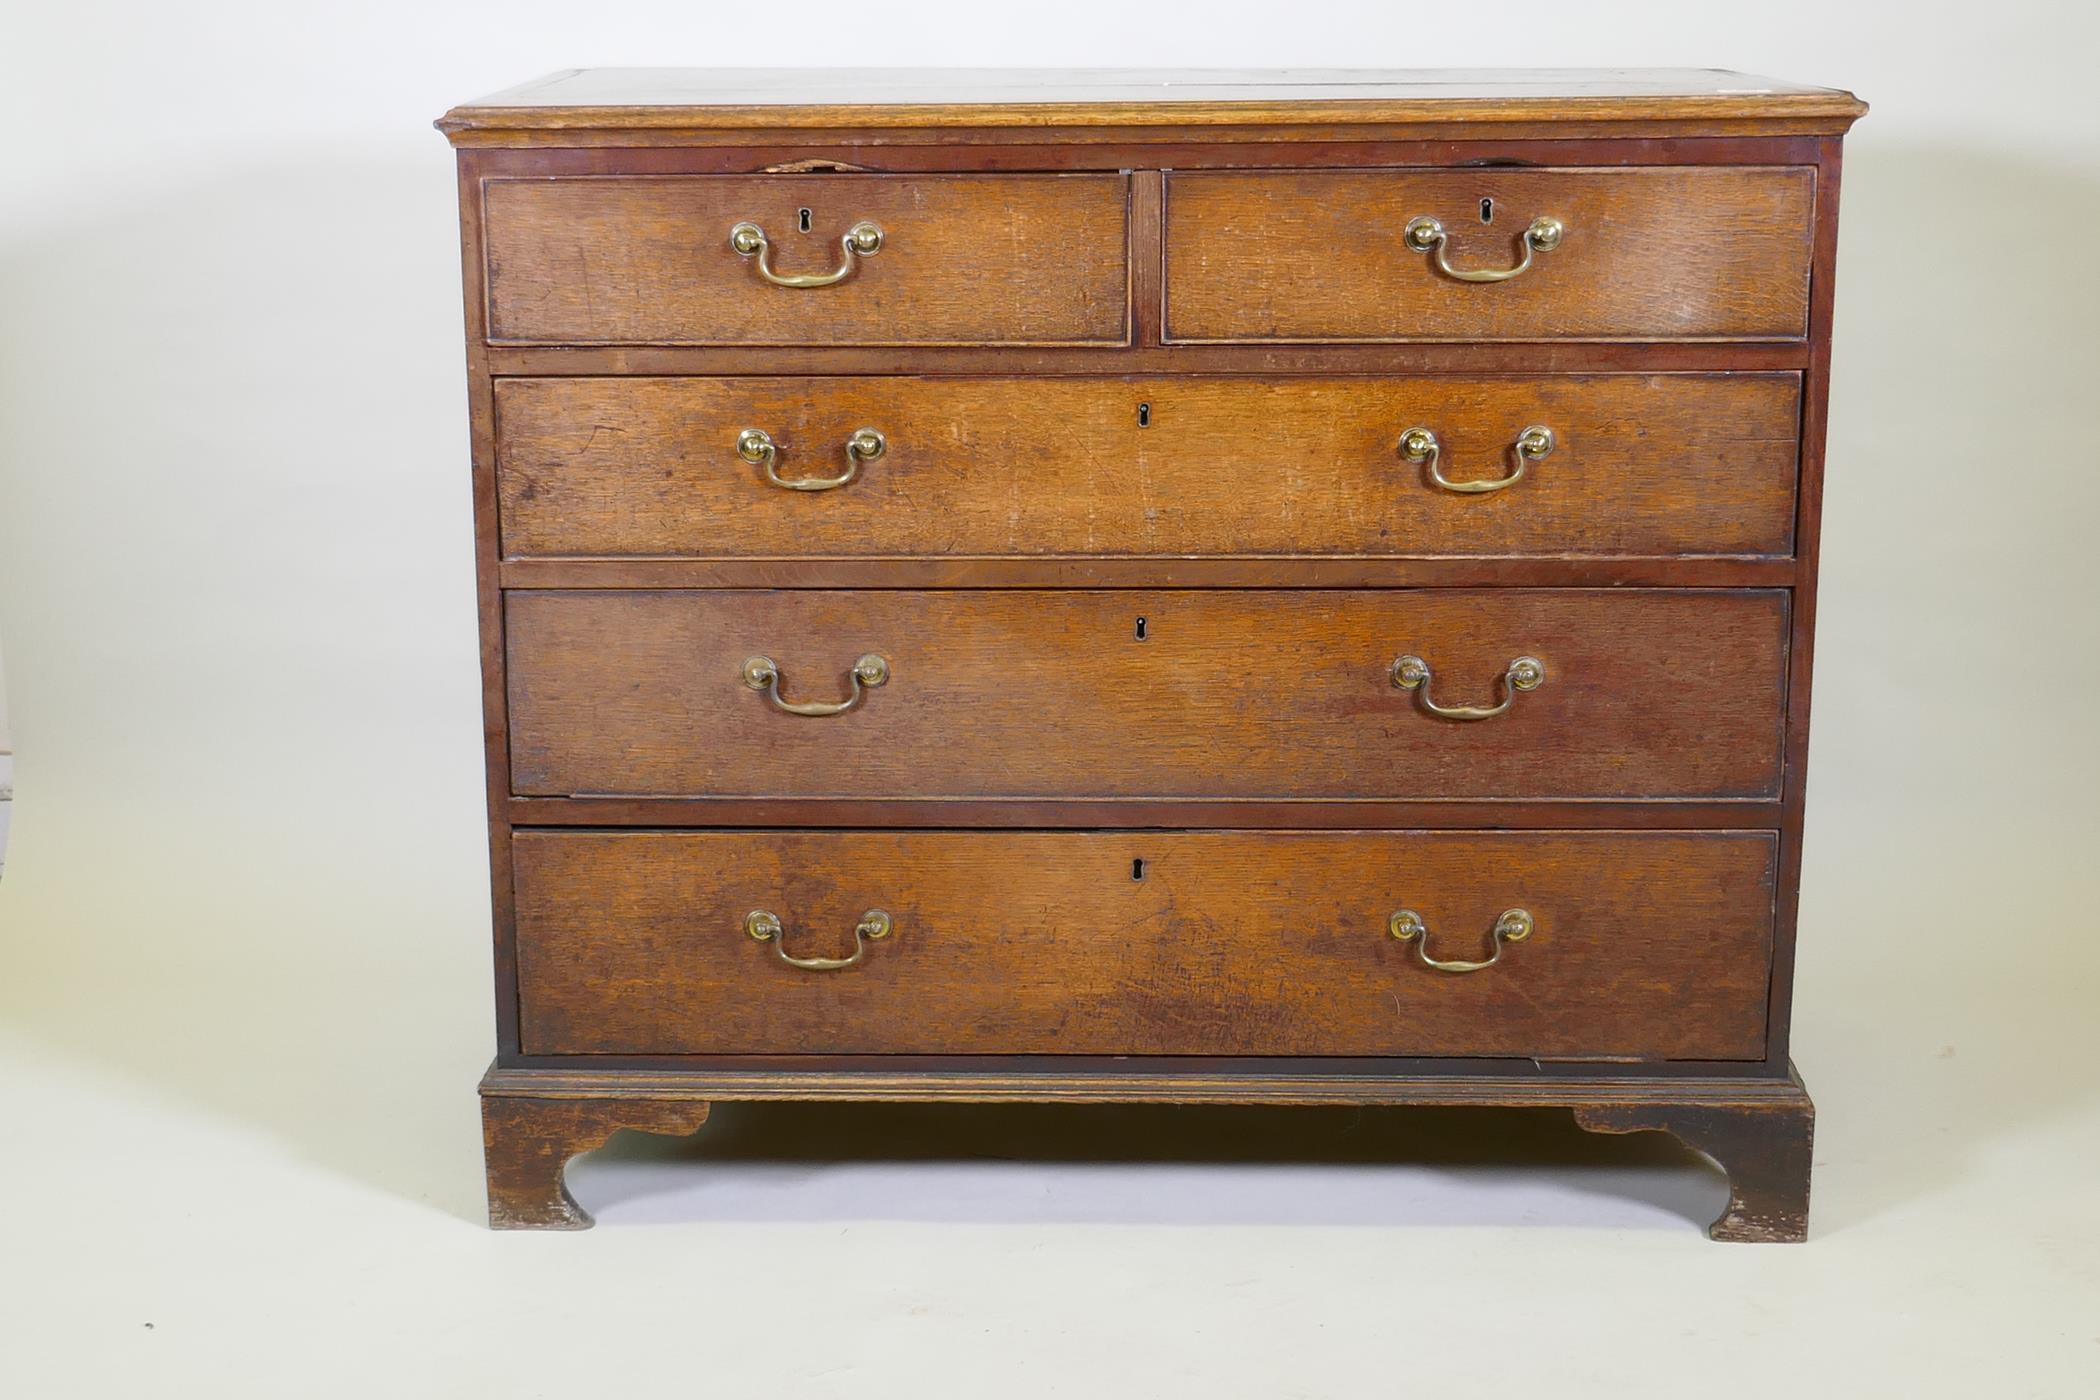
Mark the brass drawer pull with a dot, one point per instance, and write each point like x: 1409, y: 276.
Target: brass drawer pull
x: 761, y: 674
x: 863, y: 240
x: 1523, y: 673
x: 764, y: 925
x: 756, y: 446
x: 1420, y: 446
x: 1426, y: 235
x: 1514, y: 926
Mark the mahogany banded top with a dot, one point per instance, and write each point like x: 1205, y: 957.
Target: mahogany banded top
x: 721, y: 99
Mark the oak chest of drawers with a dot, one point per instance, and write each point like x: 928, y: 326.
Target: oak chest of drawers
x: 1224, y: 588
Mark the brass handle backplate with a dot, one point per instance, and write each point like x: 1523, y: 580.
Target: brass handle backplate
x: 863, y: 240
x: 1514, y: 926
x: 871, y: 670
x: 1420, y: 446
x: 1426, y: 235
x: 1523, y: 673
x: 756, y: 446
x: 764, y: 925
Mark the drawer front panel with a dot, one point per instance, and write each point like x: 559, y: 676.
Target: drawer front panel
x: 1662, y: 253
x: 964, y: 260
x: 1643, y: 945
x: 1256, y: 694
x: 1216, y: 466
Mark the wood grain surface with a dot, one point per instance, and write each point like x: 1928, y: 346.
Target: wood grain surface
x: 1203, y: 466
x: 527, y: 1144
x: 1225, y: 249
x: 1654, y: 252
x: 635, y: 105
x: 1298, y: 1080
x: 1767, y: 1150
x: 966, y: 259
x: 1648, y: 945
x: 1255, y: 694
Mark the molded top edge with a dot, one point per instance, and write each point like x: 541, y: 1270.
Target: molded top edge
x: 672, y: 99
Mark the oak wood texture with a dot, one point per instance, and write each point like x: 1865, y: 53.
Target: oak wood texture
x: 965, y: 259
x: 1651, y: 694
x: 1648, y: 945
x: 1748, y: 253
x: 1649, y: 253
x: 1155, y: 814
x: 1767, y: 1151
x: 1246, y: 357
x: 529, y: 1142
x: 1760, y: 1132
x: 1151, y: 466
x: 1801, y: 651
x: 488, y: 595
x: 1146, y: 154
x: 1210, y: 1079
x: 579, y: 106
x: 1159, y: 571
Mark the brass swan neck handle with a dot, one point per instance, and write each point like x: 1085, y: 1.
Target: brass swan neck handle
x: 1511, y: 926
x: 764, y: 925
x: 1421, y: 446
x: 760, y: 673
x: 1426, y: 235
x: 756, y: 446
x: 1522, y: 673
x: 863, y: 240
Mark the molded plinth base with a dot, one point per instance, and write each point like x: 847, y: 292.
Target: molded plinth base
x: 1759, y: 1131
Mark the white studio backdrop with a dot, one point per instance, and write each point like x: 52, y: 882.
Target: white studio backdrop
x: 248, y: 867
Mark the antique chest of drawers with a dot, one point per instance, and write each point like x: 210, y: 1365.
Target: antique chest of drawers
x: 1180, y: 587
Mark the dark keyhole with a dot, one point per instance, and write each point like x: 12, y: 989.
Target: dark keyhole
x: 1141, y: 629
x: 1487, y: 212
x: 1144, y: 415
x: 802, y: 217
x: 1137, y: 869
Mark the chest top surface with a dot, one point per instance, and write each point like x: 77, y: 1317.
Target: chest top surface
x: 747, y: 98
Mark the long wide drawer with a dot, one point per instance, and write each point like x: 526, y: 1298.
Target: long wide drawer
x: 1235, y: 694
x: 1611, y: 944
x: 1605, y: 464
x: 1640, y: 253
x: 952, y: 259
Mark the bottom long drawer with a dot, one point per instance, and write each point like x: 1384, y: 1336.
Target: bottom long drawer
x: 1641, y: 945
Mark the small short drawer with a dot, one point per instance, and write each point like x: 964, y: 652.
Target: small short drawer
x: 1501, y: 693
x: 1149, y: 467
x: 1637, y: 253
x: 882, y: 260
x: 1622, y: 945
